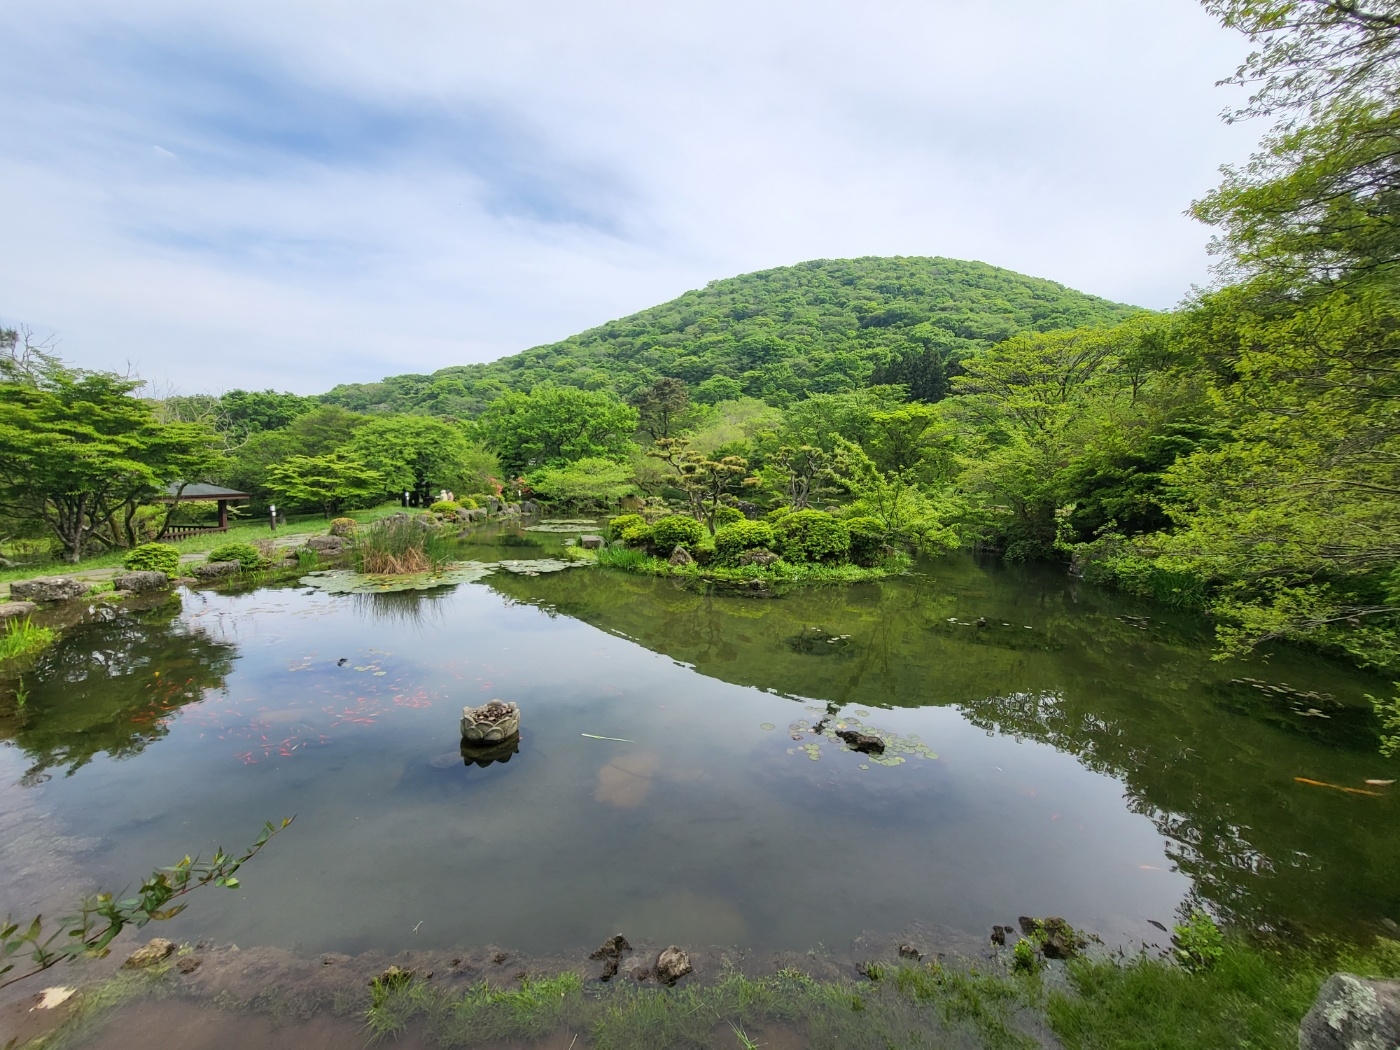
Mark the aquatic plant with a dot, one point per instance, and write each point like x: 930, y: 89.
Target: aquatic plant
x: 625, y: 558
x: 249, y: 558
x: 1197, y: 943
x: 1024, y: 958
x: 22, y: 637
x: 103, y: 916
x: 814, y: 536
x: 398, y: 545
x: 154, y: 557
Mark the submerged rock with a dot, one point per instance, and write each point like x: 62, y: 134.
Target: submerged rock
x: 671, y: 965
x: 11, y: 610
x: 1353, y: 1013
x: 865, y: 743
x: 154, y: 951
x: 48, y: 589
x: 1056, y: 938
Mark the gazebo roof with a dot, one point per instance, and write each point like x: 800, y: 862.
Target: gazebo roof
x: 201, y: 492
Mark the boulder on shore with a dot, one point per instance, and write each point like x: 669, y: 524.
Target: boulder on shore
x: 1352, y: 1013
x: 213, y: 570
x: 154, y: 951
x: 680, y: 557
x: 12, y: 610
x: 590, y: 543
x: 759, y: 556
x: 326, y: 544
x: 48, y: 589
x: 140, y: 582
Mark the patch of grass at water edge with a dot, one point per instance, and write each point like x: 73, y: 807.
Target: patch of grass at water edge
x: 93, y: 1005
x: 23, y: 638
x: 1251, y: 997
x: 640, y: 563
x: 913, y: 1007
x: 401, y: 546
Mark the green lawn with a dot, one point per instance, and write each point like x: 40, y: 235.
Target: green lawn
x: 248, y: 532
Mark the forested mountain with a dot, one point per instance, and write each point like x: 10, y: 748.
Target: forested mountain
x: 782, y: 334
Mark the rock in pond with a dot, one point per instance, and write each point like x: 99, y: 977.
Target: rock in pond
x: 213, y: 570
x: 681, y: 557
x: 11, y: 610
x: 491, y: 723
x: 48, y: 589
x: 671, y: 965
x: 865, y: 743
x: 590, y: 543
x: 140, y: 582
x: 610, y: 951
x: 154, y: 951
x: 1353, y: 1013
x: 759, y: 556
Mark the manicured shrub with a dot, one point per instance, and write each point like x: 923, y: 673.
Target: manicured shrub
x: 867, y: 540
x: 732, y: 540
x: 620, y: 524
x: 247, y: 556
x: 445, y: 506
x: 813, y: 535
x: 344, y: 526
x: 727, y: 516
x: 154, y: 557
x: 468, y: 503
x: 676, y: 529
x: 638, y: 535
x: 777, y: 514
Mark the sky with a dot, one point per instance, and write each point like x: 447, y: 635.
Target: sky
x: 299, y: 193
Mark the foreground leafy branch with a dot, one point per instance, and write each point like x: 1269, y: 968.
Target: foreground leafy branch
x: 102, y: 917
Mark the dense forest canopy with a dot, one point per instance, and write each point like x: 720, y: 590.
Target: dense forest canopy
x: 778, y: 335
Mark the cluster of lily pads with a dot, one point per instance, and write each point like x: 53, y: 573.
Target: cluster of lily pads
x: 898, y: 749
x: 348, y: 581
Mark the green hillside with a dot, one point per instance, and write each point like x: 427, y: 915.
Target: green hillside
x: 780, y: 334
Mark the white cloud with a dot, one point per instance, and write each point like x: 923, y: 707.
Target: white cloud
x: 347, y: 190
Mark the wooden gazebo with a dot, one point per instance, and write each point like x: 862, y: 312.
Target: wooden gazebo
x: 175, y: 493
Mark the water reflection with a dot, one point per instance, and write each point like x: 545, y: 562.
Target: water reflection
x: 113, y: 686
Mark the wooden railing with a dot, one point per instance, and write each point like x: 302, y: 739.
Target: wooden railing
x: 184, y: 532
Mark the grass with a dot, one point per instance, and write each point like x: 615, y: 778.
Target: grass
x: 1252, y: 997
x: 913, y: 1007
x: 400, y: 546
x: 248, y: 532
x: 22, y: 638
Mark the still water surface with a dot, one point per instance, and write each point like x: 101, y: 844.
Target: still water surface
x: 1079, y: 754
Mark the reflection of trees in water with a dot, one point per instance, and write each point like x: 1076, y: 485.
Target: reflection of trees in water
x: 112, y: 686
x: 1260, y: 848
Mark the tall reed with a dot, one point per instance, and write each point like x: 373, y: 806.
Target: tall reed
x: 399, y: 546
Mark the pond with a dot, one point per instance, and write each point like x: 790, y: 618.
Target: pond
x: 1053, y: 749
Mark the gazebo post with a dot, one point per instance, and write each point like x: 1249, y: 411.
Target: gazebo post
x: 223, y: 515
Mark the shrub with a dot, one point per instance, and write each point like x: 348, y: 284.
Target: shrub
x: 727, y: 516
x: 1197, y: 943
x: 445, y: 506
x: 637, y: 535
x: 620, y: 524
x: 1023, y: 957
x: 344, y: 526
x: 732, y: 540
x: 777, y: 514
x: 248, y: 557
x: 468, y: 503
x: 867, y: 540
x: 813, y: 535
x: 676, y: 529
x: 154, y: 557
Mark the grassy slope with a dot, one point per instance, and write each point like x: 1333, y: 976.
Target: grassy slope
x: 782, y: 333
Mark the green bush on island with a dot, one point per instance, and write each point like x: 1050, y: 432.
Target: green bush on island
x: 620, y: 524
x: 249, y: 558
x: 867, y: 540
x: 154, y: 557
x: 445, y: 506
x: 813, y: 535
x: 676, y: 530
x: 733, y: 540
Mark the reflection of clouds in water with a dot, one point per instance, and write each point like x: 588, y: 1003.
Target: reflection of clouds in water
x: 684, y: 917
x: 626, y: 781
x: 419, y: 609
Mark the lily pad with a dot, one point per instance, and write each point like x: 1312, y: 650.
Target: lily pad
x: 348, y: 581
x: 562, y: 526
x: 535, y: 566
